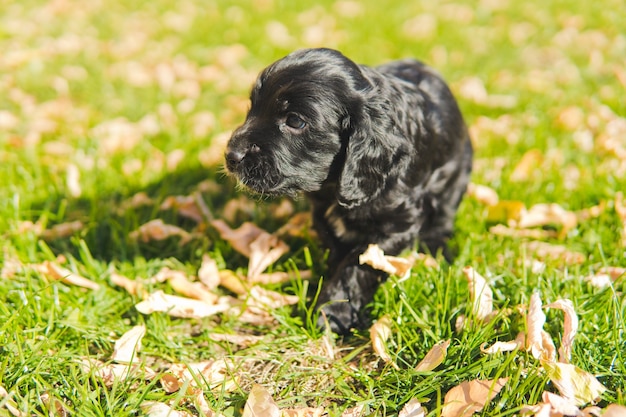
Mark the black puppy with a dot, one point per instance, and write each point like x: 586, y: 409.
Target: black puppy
x: 383, y: 155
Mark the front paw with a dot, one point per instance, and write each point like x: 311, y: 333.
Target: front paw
x: 340, y: 315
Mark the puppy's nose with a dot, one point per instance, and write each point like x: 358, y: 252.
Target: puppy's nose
x: 235, y: 157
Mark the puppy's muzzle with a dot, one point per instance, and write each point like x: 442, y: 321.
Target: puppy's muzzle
x: 234, y: 157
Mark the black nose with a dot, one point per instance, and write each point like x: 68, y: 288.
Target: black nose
x: 234, y: 157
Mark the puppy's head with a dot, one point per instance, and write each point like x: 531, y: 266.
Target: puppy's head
x: 295, y: 131
x: 315, y: 118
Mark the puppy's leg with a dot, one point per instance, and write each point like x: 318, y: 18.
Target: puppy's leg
x: 344, y: 296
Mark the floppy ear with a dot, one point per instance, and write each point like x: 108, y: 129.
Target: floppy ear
x: 374, y: 156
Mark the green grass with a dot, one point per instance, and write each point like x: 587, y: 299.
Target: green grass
x: 68, y: 69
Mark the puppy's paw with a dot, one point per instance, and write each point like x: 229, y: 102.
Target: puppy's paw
x: 340, y: 315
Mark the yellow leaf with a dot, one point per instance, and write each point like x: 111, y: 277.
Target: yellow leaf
x: 434, y: 357
x: 470, y: 396
x: 393, y: 265
x: 483, y: 194
x: 573, y: 383
x: 260, y: 403
x: 176, y: 306
x: 505, y: 212
x: 379, y: 333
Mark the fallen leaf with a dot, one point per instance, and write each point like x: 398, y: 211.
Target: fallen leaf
x: 554, y: 252
x: 240, y: 238
x: 379, y: 334
x: 62, y: 230
x: 570, y: 327
x: 269, y: 300
x: 128, y: 345
x: 56, y: 407
x: 614, y: 410
x: 560, y: 405
x: 507, y: 212
x: 189, y: 206
x: 158, y: 409
x: 480, y: 294
x: 357, y: 411
x: 298, y: 225
x: 483, y: 194
x: 233, y: 282
x: 158, y: 230
x: 72, y: 181
x: 527, y: 165
x: 606, y: 276
x: 412, y: 409
x: 132, y: 286
x: 260, y: 403
x: 573, y: 383
x: 54, y: 271
x: 393, y: 265
x: 9, y: 403
x: 470, y: 396
x: 209, y: 273
x: 546, y: 215
x: 279, y: 277
x: 500, y: 347
x: 217, y: 374
x: 181, y: 284
x: 244, y: 340
x: 434, y: 357
x: 535, y: 319
x: 112, y: 372
x: 264, y: 251
x: 303, y: 412
x: 176, y: 306
x: 502, y: 230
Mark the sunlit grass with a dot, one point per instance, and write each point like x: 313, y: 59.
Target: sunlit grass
x: 140, y: 97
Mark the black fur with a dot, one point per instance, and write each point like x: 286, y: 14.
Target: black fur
x: 383, y: 154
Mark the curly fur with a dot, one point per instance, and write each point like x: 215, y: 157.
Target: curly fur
x: 383, y: 155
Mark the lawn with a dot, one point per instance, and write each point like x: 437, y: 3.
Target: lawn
x: 114, y: 115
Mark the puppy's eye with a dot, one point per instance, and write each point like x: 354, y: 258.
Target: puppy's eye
x: 294, y: 121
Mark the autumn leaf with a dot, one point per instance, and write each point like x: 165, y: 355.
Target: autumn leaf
x: 176, y: 306
x: 189, y: 206
x: 413, y: 409
x: 264, y: 251
x: 507, y: 212
x: 500, y: 347
x: 483, y: 194
x: 112, y: 372
x: 209, y: 273
x: 10, y: 404
x: 547, y: 214
x: 132, y: 286
x: 240, y: 238
x: 529, y: 162
x: 159, y: 409
x: 573, y: 383
x: 217, y: 374
x: 470, y: 396
x: 54, y: 271
x: 434, y: 357
x: 552, y: 252
x: 535, y: 319
x: 570, y: 327
x: 379, y: 334
x: 128, y: 345
x: 480, y: 294
x: 393, y: 265
x: 260, y: 403
x: 62, y: 230
x: 181, y: 284
x: 605, y: 276
x: 158, y: 230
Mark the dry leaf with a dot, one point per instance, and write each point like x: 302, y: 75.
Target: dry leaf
x: 554, y: 252
x: 241, y: 238
x: 56, y: 407
x: 260, y: 403
x: 298, y: 225
x: 535, y: 319
x: 54, y: 271
x: 264, y: 251
x: 483, y: 194
x: 434, y: 357
x: 176, y: 306
x: 357, y: 411
x: 614, y: 410
x: 530, y: 162
x: 500, y: 347
x: 189, y: 206
x: 233, y: 282
x: 132, y: 286
x: 480, y: 294
x: 158, y: 230
x: 127, y: 347
x: 560, y: 405
x: 279, y: 277
x: 570, y: 327
x: 244, y: 340
x: 393, y: 265
x: 62, y: 230
x: 303, y: 412
x: 269, y: 300
x: 507, y: 212
x: 158, y: 409
x: 502, y: 230
x: 9, y: 403
x: 605, y: 276
x: 216, y: 374
x: 412, y: 409
x: 573, y: 383
x: 379, y: 334
x: 109, y: 373
x: 470, y: 397
x: 208, y: 273
x: 181, y: 284
x: 546, y: 215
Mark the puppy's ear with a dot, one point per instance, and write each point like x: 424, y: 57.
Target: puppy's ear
x: 374, y: 156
